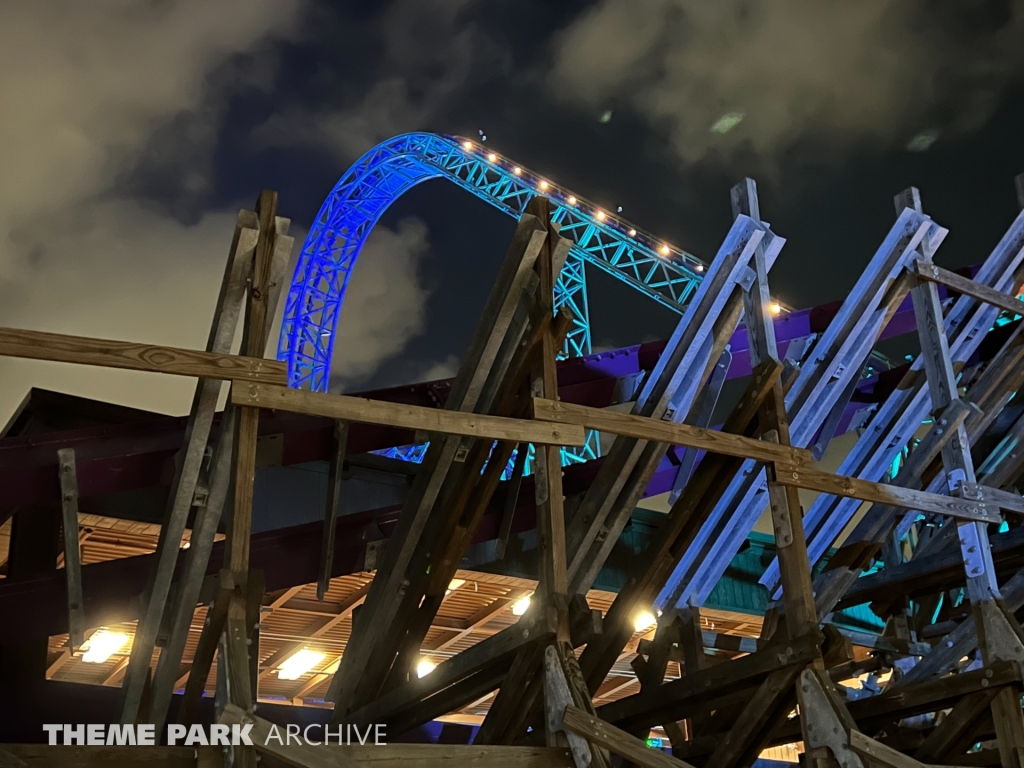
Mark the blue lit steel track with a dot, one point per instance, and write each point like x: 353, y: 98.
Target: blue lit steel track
x: 664, y: 273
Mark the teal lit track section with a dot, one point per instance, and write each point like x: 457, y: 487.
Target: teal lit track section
x: 666, y: 274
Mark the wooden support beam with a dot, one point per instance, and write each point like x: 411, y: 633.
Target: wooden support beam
x: 955, y: 725
x: 926, y: 270
x: 869, y: 534
x: 676, y: 532
x: 72, y: 547
x: 520, y: 689
x: 405, y: 755
x: 334, y: 483
x: 511, y: 498
x: 61, y: 756
x: 490, y: 611
x: 877, y: 752
x: 751, y: 730
x: 414, y: 701
x: 680, y: 698
x: 132, y: 356
x: 202, y: 659
x: 616, y: 740
x: 642, y: 427
x: 683, y: 369
x: 437, y: 420
x: 883, y: 493
x: 187, y: 491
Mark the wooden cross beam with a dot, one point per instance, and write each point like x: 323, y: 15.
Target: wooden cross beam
x: 926, y: 270
x: 132, y: 356
x: 884, y: 493
x: 617, y: 741
x: 644, y: 428
x: 406, y: 755
x: 360, y: 409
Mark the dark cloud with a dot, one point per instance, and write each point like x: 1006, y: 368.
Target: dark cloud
x: 738, y: 76
x: 87, y: 87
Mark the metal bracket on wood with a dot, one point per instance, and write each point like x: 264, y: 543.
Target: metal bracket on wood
x: 822, y: 724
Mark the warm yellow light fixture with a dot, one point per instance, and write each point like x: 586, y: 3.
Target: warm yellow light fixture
x: 102, y: 645
x: 644, y: 621
x: 299, y: 663
x: 520, y: 606
x: 425, y: 667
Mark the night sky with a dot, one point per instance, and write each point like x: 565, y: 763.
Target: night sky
x: 130, y: 132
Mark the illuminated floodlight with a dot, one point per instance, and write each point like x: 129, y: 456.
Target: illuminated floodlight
x: 664, y: 250
x: 644, y: 621
x: 601, y: 216
x: 543, y: 185
x: 775, y: 308
x: 572, y: 200
x: 521, y: 606
x: 492, y: 157
x: 700, y: 268
x: 425, y: 667
x: 299, y: 663
x: 632, y: 233
x: 102, y: 645
x: 467, y: 145
x: 517, y: 171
